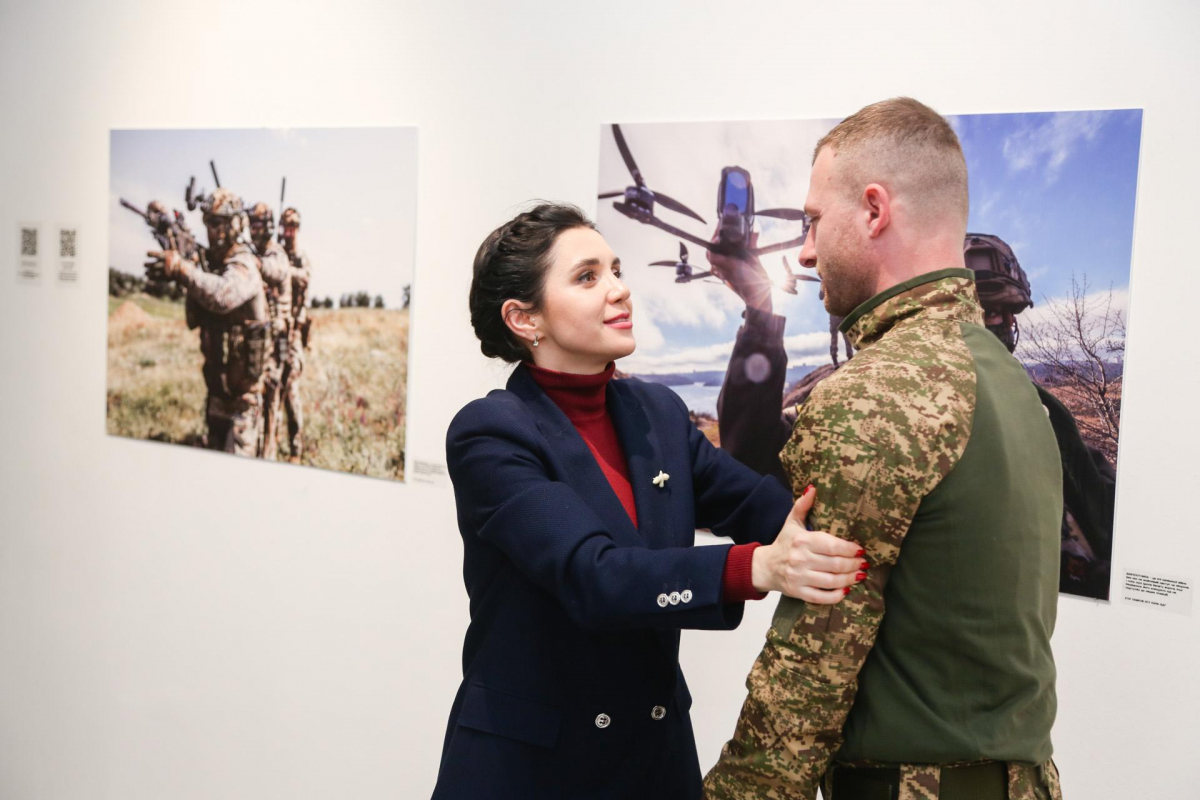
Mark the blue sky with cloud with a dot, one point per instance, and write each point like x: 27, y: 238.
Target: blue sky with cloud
x: 1059, y: 187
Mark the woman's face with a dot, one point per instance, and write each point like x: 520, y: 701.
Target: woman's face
x: 586, y: 318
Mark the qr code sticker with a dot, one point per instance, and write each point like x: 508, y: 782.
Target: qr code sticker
x: 66, y: 243
x: 29, y: 242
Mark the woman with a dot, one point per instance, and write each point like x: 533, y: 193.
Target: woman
x: 578, y: 497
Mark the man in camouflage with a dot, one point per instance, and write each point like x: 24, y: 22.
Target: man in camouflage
x: 301, y: 324
x: 754, y: 380
x: 233, y: 322
x: 930, y: 442
x: 277, y: 271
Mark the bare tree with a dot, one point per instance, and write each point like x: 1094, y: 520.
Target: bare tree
x: 1078, y: 350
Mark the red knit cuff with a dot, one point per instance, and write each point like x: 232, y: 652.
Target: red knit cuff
x: 737, y: 583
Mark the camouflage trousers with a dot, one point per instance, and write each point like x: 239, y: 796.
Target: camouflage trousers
x: 281, y: 395
x: 290, y: 381
x: 272, y: 405
x: 235, y: 424
x: 924, y: 782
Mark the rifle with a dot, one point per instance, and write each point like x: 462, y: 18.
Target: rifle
x: 171, y: 232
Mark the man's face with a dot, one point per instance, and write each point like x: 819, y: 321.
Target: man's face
x: 220, y: 232
x: 260, y: 231
x: 834, y: 245
x: 1003, y: 323
x: 289, y: 231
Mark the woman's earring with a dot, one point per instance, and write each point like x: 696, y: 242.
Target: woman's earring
x: 535, y: 340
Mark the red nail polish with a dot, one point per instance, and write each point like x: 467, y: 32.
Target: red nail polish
x: 846, y: 590
x: 860, y: 553
x: 864, y: 565
x: 807, y: 489
x: 862, y: 576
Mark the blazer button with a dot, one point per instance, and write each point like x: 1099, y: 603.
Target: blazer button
x: 663, y: 600
x: 686, y: 595
x: 674, y: 598
x: 603, y: 721
x: 658, y: 713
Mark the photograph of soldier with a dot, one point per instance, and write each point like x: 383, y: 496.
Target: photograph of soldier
x: 210, y: 334
x: 741, y: 333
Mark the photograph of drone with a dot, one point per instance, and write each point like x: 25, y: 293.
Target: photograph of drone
x: 1049, y: 237
x: 259, y: 291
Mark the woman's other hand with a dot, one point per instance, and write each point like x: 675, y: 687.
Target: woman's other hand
x: 813, y: 566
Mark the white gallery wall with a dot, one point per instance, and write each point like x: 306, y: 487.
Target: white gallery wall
x: 182, y: 624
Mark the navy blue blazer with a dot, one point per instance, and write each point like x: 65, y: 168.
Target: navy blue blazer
x: 571, y: 682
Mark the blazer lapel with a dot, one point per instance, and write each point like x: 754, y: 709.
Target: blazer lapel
x: 644, y: 458
x: 578, y: 466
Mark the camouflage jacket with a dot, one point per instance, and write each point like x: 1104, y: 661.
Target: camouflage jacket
x: 233, y: 325
x: 277, y: 274
x: 301, y: 276
x: 906, y: 444
x: 235, y: 286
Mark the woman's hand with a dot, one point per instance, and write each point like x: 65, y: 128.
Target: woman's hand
x: 809, y: 565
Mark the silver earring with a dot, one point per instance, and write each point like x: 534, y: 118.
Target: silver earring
x: 535, y: 340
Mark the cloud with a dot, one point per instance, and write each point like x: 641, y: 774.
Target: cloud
x: 803, y: 349
x: 1048, y: 146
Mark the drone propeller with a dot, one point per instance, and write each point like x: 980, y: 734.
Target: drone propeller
x: 793, y: 214
x: 683, y: 259
x: 628, y: 156
x: 666, y: 200
x: 677, y: 206
x: 796, y: 276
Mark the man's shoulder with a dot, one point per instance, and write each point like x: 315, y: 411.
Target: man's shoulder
x: 242, y: 257
x: 918, y: 379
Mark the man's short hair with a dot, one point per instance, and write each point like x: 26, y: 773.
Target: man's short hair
x: 908, y: 148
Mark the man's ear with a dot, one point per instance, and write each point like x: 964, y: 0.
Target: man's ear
x: 876, y: 209
x: 519, y: 320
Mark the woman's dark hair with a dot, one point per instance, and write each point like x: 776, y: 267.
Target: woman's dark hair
x: 511, y: 265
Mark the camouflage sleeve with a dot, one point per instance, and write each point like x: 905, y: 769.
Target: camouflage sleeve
x: 873, y: 447
x: 275, y: 266
x: 223, y: 293
x: 302, y: 273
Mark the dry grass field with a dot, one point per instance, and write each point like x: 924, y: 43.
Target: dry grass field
x: 353, y: 388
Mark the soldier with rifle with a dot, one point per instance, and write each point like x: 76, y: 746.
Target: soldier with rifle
x: 169, y: 230
x: 289, y: 223
x: 277, y: 276
x: 231, y: 313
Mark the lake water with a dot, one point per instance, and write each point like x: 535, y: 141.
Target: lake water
x: 698, y: 397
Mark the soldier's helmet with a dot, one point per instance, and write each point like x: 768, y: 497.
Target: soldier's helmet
x: 156, y: 208
x: 262, y: 216
x: 224, y: 211
x: 290, y: 216
x: 999, y: 279
x: 224, y: 203
x: 262, y: 211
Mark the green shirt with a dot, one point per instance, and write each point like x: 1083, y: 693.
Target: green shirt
x: 931, y: 449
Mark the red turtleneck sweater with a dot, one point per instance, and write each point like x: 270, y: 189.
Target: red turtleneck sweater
x: 582, y: 399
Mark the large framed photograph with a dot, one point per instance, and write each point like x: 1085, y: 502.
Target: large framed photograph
x: 260, y: 282
x: 1049, y: 237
